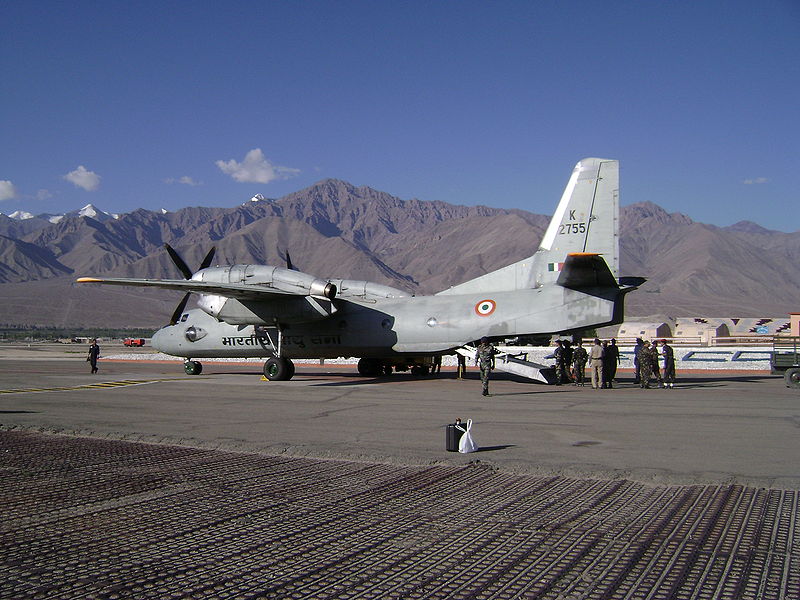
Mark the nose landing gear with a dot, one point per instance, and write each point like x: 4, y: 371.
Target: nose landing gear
x: 192, y: 367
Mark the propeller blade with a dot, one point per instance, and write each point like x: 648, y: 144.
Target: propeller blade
x: 182, y: 266
x: 179, y: 309
x: 207, y: 260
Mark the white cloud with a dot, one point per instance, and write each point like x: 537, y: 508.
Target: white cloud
x: 7, y: 190
x: 255, y: 169
x: 755, y: 181
x: 82, y: 178
x: 185, y: 180
x: 43, y: 195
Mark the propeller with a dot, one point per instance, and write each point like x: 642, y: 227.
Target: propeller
x: 187, y: 274
x: 289, y: 264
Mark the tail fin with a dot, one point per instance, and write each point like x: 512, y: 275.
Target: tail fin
x: 587, y: 217
x: 586, y: 221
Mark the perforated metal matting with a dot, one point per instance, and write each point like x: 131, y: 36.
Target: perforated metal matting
x: 88, y: 518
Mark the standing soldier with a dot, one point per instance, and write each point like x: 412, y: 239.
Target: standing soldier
x: 637, y: 350
x: 579, y: 358
x: 596, y: 364
x: 645, y: 365
x: 561, y: 362
x: 669, y: 365
x: 654, y: 358
x: 613, y: 361
x: 484, y: 357
x: 94, y: 354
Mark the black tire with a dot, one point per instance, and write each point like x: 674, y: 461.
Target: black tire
x: 792, y: 378
x: 278, y: 369
x: 192, y: 367
x: 370, y: 367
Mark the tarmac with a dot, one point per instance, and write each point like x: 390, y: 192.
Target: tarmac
x: 336, y: 485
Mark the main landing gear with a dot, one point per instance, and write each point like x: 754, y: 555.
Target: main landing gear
x: 279, y: 369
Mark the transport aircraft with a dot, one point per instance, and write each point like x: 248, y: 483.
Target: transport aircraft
x: 569, y: 284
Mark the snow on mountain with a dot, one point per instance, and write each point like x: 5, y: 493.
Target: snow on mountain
x: 21, y: 215
x: 89, y: 210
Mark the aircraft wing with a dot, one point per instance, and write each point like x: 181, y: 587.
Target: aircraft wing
x: 230, y: 290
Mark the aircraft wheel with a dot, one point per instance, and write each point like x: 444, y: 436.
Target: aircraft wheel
x: 278, y: 369
x: 792, y: 378
x: 416, y: 371
x: 387, y: 369
x: 192, y: 367
x: 369, y: 367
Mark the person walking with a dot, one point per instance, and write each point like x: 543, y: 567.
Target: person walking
x: 669, y: 364
x: 94, y: 354
x: 484, y: 358
x: 579, y: 358
x: 596, y: 364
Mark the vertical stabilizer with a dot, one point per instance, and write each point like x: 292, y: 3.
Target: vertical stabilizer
x: 586, y: 221
x: 587, y: 217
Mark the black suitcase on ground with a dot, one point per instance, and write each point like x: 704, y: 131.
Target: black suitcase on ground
x: 454, y: 436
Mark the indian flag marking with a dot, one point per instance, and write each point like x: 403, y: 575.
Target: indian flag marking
x: 555, y: 266
x: 485, y: 307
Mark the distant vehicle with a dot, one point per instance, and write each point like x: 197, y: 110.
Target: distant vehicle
x: 134, y: 342
x: 569, y: 284
x: 785, y: 358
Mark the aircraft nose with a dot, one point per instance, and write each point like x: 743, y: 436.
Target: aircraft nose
x: 161, y: 339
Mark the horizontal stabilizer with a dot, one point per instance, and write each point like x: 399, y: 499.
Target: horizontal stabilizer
x: 632, y: 281
x: 586, y: 270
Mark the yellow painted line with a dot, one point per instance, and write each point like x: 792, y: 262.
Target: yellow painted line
x: 88, y: 386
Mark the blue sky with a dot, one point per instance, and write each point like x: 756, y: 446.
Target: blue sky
x: 172, y: 104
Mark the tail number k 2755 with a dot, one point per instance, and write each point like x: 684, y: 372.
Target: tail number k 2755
x: 567, y: 228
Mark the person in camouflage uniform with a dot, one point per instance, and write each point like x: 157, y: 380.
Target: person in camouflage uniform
x: 655, y: 356
x: 484, y: 357
x: 561, y: 362
x: 645, y: 365
x: 579, y: 358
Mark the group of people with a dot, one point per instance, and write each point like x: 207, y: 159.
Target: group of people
x: 603, y: 359
x: 646, y: 364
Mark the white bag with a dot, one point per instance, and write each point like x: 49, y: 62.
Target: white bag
x: 466, y: 444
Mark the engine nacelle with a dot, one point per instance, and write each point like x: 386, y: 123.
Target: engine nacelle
x: 351, y: 288
x: 287, y: 280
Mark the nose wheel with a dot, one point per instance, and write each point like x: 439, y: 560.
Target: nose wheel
x: 192, y: 367
x: 279, y: 369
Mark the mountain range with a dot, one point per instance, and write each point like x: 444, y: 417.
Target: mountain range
x: 334, y: 229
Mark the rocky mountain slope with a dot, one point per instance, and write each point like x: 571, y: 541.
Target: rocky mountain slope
x: 334, y: 229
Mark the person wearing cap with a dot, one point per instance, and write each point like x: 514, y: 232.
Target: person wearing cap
x: 484, y: 357
x: 669, y: 365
